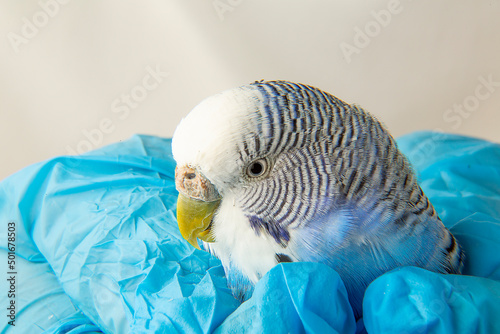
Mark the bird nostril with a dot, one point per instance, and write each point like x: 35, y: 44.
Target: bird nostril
x: 190, y: 176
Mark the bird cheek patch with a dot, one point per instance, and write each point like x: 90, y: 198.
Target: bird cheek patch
x: 275, y: 230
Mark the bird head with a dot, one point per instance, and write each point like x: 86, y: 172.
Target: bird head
x: 250, y: 171
x: 215, y: 158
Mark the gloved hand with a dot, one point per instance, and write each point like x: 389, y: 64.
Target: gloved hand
x: 414, y: 300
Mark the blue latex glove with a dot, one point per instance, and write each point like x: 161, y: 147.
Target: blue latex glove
x: 98, y: 248
x: 105, y: 223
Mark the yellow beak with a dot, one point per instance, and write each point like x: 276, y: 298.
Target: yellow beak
x: 194, y: 218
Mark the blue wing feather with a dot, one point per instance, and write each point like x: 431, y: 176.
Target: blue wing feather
x: 359, y: 254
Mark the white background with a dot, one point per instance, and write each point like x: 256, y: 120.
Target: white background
x: 65, y: 65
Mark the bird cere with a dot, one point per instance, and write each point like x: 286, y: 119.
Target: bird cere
x: 277, y: 171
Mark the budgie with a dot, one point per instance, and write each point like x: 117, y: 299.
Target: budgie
x: 276, y: 171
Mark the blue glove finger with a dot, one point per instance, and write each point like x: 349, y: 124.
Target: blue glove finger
x: 294, y: 298
x: 414, y: 300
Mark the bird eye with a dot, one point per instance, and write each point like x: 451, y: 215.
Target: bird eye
x: 257, y: 168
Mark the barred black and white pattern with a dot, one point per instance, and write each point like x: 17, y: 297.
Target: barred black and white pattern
x: 331, y: 155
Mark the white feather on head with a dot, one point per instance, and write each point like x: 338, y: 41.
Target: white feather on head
x: 207, y: 138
